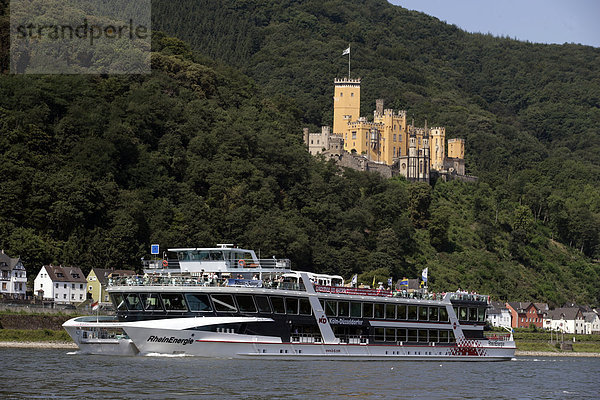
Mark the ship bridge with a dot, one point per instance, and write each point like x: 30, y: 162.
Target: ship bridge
x: 222, y: 259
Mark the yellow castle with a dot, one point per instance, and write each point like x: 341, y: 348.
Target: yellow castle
x: 387, y: 139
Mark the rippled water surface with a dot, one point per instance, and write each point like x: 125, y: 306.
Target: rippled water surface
x: 37, y: 373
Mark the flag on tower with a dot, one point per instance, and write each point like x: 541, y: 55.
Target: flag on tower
x: 347, y: 51
x: 424, y: 275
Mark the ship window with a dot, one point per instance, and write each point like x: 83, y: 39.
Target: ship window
x: 222, y: 302
x: 291, y: 305
x: 412, y: 335
x: 133, y: 302
x: 401, y: 312
x: 368, y: 310
x: 423, y: 335
x: 379, y: 334
x: 198, y: 302
x: 481, y: 315
x: 278, y: 305
x: 472, y: 314
x: 444, y: 336
x: 423, y: 313
x: 433, y: 313
x: 390, y: 311
x: 263, y: 304
x: 390, y: 335
x: 330, y: 308
x: 305, y: 308
x: 174, y: 302
x: 118, y: 301
x: 151, y: 301
x: 343, y: 309
x: 433, y: 336
x: 412, y: 313
x: 443, y: 314
x: 401, y: 335
x: 355, y: 310
x: 245, y: 303
x: 379, y: 310
x: 462, y: 311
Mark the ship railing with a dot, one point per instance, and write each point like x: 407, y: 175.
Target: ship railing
x: 163, y: 280
x: 305, y: 338
x: 276, y: 264
x: 354, y: 339
x: 502, y: 337
x: 353, y: 291
x: 464, y: 296
x: 379, y: 292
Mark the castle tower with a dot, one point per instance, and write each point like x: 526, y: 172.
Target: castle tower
x: 437, y: 139
x: 424, y: 174
x: 456, y: 148
x: 346, y: 104
x: 412, y: 153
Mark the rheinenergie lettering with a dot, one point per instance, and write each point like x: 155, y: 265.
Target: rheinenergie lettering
x: 171, y: 339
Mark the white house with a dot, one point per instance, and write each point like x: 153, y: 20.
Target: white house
x: 499, y: 315
x: 13, y: 277
x: 592, y: 323
x: 566, y: 319
x: 61, y: 284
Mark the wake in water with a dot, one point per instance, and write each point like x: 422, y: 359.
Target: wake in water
x: 166, y: 355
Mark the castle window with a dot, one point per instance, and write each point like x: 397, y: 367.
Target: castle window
x: 394, y: 152
x: 394, y: 137
x: 354, y: 135
x: 317, y: 142
x: 352, y: 94
x: 311, y: 142
x: 341, y: 94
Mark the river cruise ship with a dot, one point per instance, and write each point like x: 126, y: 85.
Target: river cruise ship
x: 226, y: 302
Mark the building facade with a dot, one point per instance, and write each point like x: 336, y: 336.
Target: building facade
x: 591, y: 323
x: 63, y: 285
x: 565, y: 319
x: 13, y: 277
x: 525, y: 314
x: 97, y: 282
x: 498, y: 315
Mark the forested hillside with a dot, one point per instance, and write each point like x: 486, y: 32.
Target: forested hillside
x: 208, y: 149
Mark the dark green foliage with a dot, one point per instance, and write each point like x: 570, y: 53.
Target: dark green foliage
x: 93, y: 168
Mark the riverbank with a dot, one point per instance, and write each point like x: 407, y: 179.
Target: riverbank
x: 39, y: 345
x: 522, y: 353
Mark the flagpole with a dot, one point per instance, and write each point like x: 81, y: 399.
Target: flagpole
x: 348, y: 61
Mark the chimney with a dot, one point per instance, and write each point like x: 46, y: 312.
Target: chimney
x: 379, y: 106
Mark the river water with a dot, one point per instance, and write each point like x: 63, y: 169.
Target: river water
x: 52, y: 373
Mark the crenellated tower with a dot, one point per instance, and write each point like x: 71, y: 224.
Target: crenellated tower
x: 346, y: 103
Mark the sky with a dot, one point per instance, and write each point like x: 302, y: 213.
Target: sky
x: 538, y: 21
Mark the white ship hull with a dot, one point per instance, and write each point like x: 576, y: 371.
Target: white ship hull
x: 96, y: 337
x: 161, y: 340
